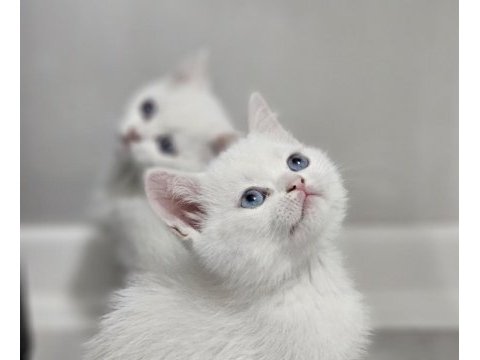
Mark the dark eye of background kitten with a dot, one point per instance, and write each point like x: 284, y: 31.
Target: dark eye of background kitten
x: 148, y: 108
x: 166, y: 144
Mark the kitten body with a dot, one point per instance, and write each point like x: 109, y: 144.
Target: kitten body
x: 260, y: 282
x: 317, y: 316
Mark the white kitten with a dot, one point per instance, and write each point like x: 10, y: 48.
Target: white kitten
x: 176, y: 122
x: 264, y: 280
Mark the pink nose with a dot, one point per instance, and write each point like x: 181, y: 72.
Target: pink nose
x: 297, y: 184
x: 131, y: 136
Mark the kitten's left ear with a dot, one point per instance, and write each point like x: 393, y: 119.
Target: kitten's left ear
x: 174, y: 197
x: 193, y: 70
x: 261, y: 119
x: 223, y: 141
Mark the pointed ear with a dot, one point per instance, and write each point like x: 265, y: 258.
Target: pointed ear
x: 174, y: 197
x: 262, y: 120
x: 193, y: 70
x: 223, y: 141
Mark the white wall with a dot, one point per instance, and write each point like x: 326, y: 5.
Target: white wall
x: 374, y: 82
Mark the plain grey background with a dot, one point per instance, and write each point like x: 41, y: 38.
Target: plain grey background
x: 373, y: 82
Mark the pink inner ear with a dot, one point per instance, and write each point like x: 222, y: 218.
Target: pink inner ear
x: 222, y: 142
x: 173, y: 197
x: 188, y: 212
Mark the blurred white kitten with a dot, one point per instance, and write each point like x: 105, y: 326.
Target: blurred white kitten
x: 264, y: 280
x: 176, y: 122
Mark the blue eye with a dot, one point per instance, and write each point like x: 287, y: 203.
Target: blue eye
x: 166, y: 145
x: 252, y: 198
x: 297, y: 162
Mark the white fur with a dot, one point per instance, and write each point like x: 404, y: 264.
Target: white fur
x: 193, y: 116
x: 262, y: 283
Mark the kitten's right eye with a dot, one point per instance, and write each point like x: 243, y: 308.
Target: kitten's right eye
x: 252, y: 198
x: 148, y: 109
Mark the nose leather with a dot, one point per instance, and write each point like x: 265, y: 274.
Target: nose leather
x: 131, y: 136
x: 297, y: 184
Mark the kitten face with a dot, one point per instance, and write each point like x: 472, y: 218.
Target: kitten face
x: 260, y: 210
x: 294, y: 202
x: 176, y: 122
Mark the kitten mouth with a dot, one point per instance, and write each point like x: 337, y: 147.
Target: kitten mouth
x: 306, y: 196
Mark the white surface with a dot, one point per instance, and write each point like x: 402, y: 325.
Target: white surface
x: 409, y: 276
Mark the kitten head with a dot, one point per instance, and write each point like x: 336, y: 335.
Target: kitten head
x: 261, y: 210
x: 176, y: 122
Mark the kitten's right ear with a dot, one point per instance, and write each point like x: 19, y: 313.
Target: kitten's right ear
x: 263, y: 120
x: 193, y: 70
x: 174, y: 197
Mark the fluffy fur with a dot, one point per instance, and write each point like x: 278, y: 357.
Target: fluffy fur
x: 261, y: 283
x: 185, y: 110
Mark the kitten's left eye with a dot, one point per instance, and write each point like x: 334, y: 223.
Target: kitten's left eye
x: 166, y: 144
x: 297, y: 162
x: 252, y: 198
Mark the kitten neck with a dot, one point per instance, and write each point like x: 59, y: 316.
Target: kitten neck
x: 323, y: 274
x: 242, y: 292
x: 126, y: 179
